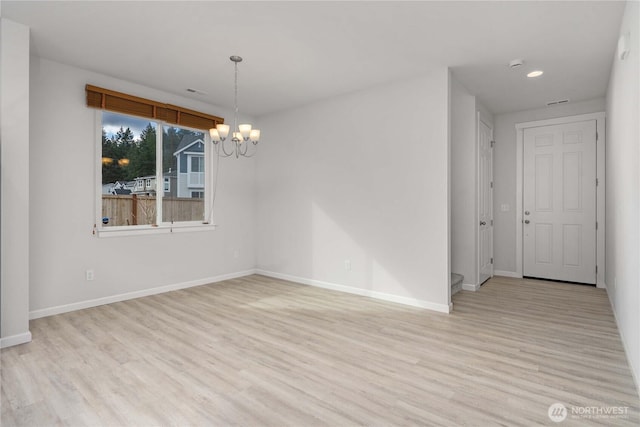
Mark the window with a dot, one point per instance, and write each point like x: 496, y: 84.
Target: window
x: 195, y: 166
x: 128, y: 159
x: 138, y: 152
x: 183, y: 162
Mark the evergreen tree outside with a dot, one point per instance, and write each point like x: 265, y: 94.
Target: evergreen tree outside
x: 125, y: 157
x: 110, y: 169
x: 171, y: 138
x: 143, y: 157
x: 129, y: 149
x: 123, y: 146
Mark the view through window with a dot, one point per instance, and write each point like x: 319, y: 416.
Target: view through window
x: 136, y: 154
x: 183, y: 165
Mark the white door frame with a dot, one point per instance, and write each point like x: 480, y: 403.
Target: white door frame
x: 478, y: 195
x: 600, y: 193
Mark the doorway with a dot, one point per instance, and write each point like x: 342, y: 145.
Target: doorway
x: 560, y: 199
x: 559, y: 202
x: 485, y: 202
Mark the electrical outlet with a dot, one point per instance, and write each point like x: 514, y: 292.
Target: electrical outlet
x: 89, y: 274
x: 236, y: 253
x: 347, y: 265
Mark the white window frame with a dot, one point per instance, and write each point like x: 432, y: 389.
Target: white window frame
x: 160, y: 227
x: 166, y: 184
x: 190, y: 183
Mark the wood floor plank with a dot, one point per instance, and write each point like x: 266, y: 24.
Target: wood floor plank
x: 258, y: 351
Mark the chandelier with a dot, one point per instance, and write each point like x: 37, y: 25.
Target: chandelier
x: 241, y: 136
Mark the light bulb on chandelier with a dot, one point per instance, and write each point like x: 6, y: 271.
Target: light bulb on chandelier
x: 241, y: 135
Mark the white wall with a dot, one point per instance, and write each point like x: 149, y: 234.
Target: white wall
x: 623, y: 191
x: 504, y: 173
x: 14, y: 153
x: 464, y: 238
x: 362, y: 177
x: 465, y: 109
x: 62, y: 160
x: 485, y: 114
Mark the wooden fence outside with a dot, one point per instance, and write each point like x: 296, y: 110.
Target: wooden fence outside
x: 137, y: 210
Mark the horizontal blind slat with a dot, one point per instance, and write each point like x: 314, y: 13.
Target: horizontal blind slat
x: 124, y: 103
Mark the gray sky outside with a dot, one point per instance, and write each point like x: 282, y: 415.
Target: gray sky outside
x: 112, y: 122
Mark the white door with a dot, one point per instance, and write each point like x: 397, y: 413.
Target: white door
x: 485, y: 202
x: 559, y: 202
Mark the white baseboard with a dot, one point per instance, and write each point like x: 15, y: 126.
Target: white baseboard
x: 470, y: 287
x: 44, y: 312
x: 507, y: 274
x: 442, y: 308
x: 15, y: 340
x: 635, y: 375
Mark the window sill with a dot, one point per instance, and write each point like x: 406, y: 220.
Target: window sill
x: 140, y: 230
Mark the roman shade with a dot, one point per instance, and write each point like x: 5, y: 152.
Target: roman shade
x: 118, y: 102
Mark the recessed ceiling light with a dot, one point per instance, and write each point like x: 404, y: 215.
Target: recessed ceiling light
x: 536, y: 73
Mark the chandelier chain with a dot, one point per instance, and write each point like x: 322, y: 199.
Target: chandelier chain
x: 235, y: 97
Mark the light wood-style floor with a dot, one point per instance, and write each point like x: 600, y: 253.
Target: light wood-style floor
x: 258, y: 351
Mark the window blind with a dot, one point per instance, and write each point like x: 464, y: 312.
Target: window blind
x: 118, y: 102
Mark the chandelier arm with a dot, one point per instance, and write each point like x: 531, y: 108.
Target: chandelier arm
x: 242, y: 153
x: 224, y: 151
x: 216, y: 146
x: 247, y: 150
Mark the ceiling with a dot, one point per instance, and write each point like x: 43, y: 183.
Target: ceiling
x: 296, y: 53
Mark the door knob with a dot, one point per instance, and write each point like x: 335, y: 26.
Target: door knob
x: 483, y: 223
x: 526, y: 221
x: 526, y: 212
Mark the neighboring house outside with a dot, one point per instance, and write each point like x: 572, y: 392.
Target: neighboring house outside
x: 169, y: 183
x: 120, y: 191
x: 186, y: 181
x: 145, y: 185
x: 118, y: 188
x: 190, y: 158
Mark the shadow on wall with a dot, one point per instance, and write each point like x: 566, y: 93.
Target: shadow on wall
x: 339, y: 205
x: 363, y: 178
